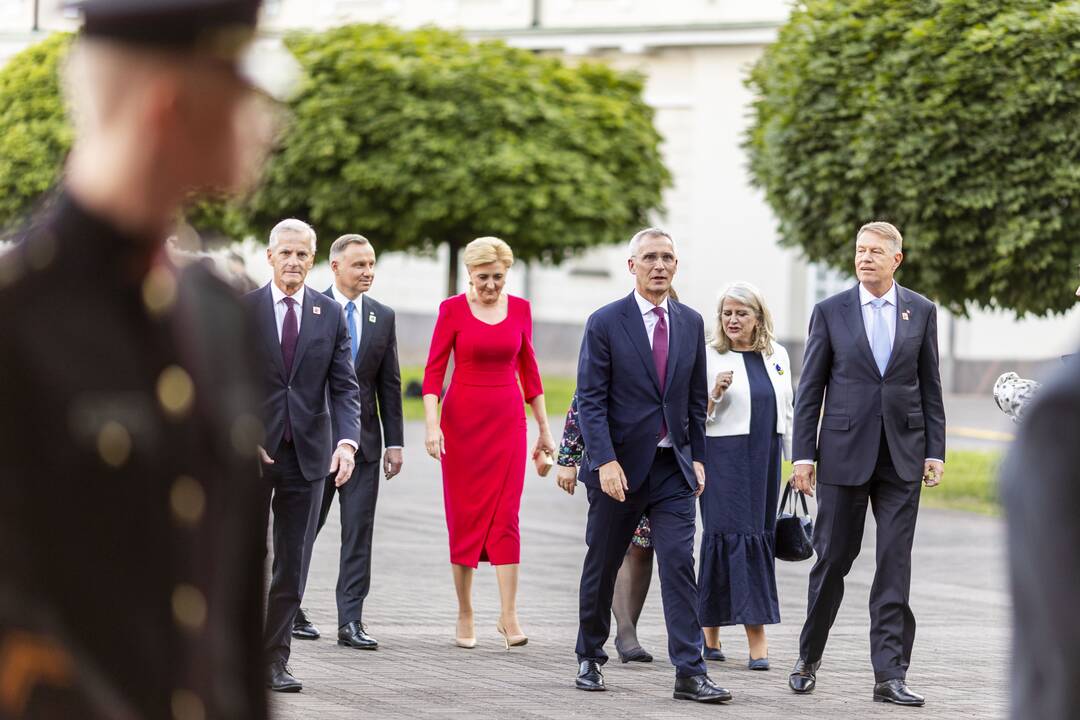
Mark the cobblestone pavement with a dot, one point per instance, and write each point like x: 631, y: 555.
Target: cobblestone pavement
x: 958, y: 595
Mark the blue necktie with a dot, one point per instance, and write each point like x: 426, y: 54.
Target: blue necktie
x: 880, y: 342
x: 350, y: 320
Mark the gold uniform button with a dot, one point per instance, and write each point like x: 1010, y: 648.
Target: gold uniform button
x: 189, y: 607
x: 114, y: 444
x: 187, y: 500
x: 159, y: 290
x: 175, y: 391
x: 186, y: 705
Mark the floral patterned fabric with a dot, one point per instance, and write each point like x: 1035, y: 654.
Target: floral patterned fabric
x: 571, y: 450
x: 1012, y: 394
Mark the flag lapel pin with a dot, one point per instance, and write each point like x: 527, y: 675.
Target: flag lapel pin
x: 904, y: 315
x: 371, y: 317
x: 316, y: 310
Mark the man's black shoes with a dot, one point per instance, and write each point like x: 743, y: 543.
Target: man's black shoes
x: 700, y: 688
x: 302, y: 627
x: 897, y: 692
x: 279, y: 679
x: 803, y: 678
x: 354, y: 635
x: 589, y: 676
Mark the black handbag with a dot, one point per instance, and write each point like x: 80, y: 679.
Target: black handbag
x: 794, y: 532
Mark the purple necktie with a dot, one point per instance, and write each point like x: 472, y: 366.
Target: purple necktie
x: 659, y: 356
x: 289, y: 334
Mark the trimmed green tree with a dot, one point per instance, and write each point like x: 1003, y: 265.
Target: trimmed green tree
x: 959, y: 120
x: 422, y: 138
x: 34, y: 132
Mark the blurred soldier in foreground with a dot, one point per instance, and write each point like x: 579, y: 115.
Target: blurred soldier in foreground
x: 130, y: 547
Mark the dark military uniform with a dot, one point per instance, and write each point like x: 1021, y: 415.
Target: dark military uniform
x: 131, y: 571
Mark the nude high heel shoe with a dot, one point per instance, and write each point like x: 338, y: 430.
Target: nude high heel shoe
x: 467, y: 643
x: 511, y: 640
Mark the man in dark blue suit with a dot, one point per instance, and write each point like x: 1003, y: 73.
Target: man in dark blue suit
x: 310, y: 414
x: 872, y: 356
x: 641, y: 397
x: 373, y: 348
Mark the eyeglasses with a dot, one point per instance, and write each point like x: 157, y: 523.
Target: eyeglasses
x: 656, y: 258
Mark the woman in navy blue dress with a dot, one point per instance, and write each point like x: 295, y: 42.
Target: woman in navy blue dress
x: 748, y: 431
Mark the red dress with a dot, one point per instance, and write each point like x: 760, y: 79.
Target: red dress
x: 483, y: 424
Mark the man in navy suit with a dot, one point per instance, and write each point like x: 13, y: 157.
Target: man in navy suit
x: 374, y: 352
x: 641, y: 397
x: 872, y: 355
x: 310, y: 415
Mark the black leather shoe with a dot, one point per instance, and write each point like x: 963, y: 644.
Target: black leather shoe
x: 279, y: 679
x: 589, y: 676
x: 700, y: 688
x: 354, y: 635
x: 637, y: 654
x: 896, y: 691
x: 302, y: 627
x: 803, y: 678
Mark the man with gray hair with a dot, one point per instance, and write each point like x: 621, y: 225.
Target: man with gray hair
x: 373, y: 349
x: 872, y: 360
x: 310, y: 413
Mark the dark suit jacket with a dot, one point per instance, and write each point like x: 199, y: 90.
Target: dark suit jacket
x: 619, y: 399
x: 839, y: 366
x: 321, y: 363
x: 379, y: 378
x: 1040, y: 484
x: 88, y: 533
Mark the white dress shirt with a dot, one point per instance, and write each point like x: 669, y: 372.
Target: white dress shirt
x: 280, y: 308
x: 888, y: 313
x: 869, y: 317
x: 651, y: 319
x: 343, y: 300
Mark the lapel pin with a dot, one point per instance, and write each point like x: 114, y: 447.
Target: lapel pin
x: 904, y: 315
x: 779, y: 370
x: 316, y: 310
x: 371, y: 317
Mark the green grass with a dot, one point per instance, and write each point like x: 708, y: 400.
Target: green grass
x: 557, y: 394
x: 970, y: 481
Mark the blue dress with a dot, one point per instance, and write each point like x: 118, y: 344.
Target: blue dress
x: 737, y: 573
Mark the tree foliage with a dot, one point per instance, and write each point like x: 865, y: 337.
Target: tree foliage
x: 420, y: 138
x: 959, y: 120
x: 34, y: 132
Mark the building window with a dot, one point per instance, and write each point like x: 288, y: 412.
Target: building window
x: 825, y: 281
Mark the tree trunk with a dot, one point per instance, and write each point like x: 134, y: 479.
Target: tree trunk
x: 452, y: 274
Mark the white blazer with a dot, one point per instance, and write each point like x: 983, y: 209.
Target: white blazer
x: 731, y: 416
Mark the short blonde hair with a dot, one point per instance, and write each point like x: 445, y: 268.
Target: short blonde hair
x: 762, y: 338
x: 484, y: 250
x: 884, y: 230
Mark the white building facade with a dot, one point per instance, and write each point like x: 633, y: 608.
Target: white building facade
x: 695, y: 55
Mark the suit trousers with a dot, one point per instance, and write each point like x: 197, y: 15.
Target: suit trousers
x: 357, y: 501
x: 667, y: 498
x: 838, y: 535
x: 296, y: 503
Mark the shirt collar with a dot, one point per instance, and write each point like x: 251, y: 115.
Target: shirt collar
x: 865, y: 296
x: 278, y: 295
x: 646, y: 306
x: 343, y: 301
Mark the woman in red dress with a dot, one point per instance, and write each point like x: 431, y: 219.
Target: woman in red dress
x: 481, y: 438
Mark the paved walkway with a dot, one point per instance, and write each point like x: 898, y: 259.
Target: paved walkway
x: 958, y: 596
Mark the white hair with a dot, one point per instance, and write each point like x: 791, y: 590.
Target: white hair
x: 291, y: 225
x: 635, y: 242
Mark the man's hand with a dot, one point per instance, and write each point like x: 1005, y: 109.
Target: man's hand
x: 613, y: 480
x: 932, y: 473
x: 391, y: 462
x: 566, y: 478
x: 266, y: 459
x: 342, y: 463
x: 699, y: 471
x: 805, y: 479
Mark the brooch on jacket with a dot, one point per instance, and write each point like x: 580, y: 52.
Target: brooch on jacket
x: 371, y: 317
x: 316, y: 310
x: 779, y: 370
